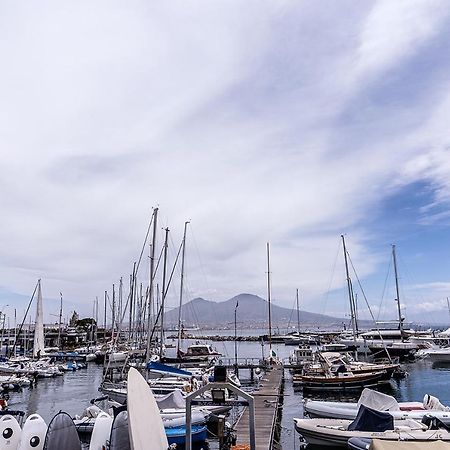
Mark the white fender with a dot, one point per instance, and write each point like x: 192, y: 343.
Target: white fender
x: 101, y: 431
x: 10, y: 432
x: 33, y: 433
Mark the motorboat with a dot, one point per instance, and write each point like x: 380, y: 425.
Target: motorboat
x: 379, y: 444
x: 335, y: 361
x: 337, y: 372
x: 380, y: 402
x: 301, y: 355
x: 342, y: 381
x: 369, y: 424
x: 405, y: 350
x: 195, y: 353
x: 441, y: 355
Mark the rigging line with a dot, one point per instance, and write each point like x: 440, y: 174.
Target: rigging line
x: 384, y: 288
x: 164, y: 294
x: 368, y: 306
x: 292, y: 312
x: 173, y: 270
x: 24, y: 318
x: 410, y: 280
x: 202, y: 267
x: 327, y: 294
x: 154, y: 275
x: 145, y: 242
x: 360, y: 285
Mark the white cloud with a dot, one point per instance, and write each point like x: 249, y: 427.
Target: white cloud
x: 226, y: 114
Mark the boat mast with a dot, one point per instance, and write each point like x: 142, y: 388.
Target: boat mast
x: 60, y: 319
x: 350, y: 291
x: 150, y: 284
x: 130, y: 311
x: 236, y: 370
x: 96, y: 320
x: 104, y: 318
x: 181, y: 287
x: 163, y: 297
x: 298, y: 315
x: 269, y: 300
x: 113, y: 312
x: 397, y: 290
x: 448, y: 305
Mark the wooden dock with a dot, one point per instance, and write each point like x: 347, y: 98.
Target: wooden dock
x: 267, y: 401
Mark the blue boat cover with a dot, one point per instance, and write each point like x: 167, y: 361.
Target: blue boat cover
x: 153, y: 366
x: 369, y: 419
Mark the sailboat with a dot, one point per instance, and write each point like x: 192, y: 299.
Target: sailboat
x: 272, y: 358
x: 198, y: 352
x: 398, y: 346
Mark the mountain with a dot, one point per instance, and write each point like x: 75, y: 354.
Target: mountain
x: 252, y: 312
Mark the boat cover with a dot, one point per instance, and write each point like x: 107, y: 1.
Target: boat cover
x: 164, y: 369
x: 369, y: 419
x: 378, y: 400
x: 381, y: 444
x: 173, y: 400
x: 62, y: 434
x: 120, y: 439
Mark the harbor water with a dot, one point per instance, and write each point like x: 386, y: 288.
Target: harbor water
x: 73, y: 391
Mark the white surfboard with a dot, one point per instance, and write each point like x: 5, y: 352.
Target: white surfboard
x: 10, y: 432
x: 33, y: 433
x: 144, y: 422
x: 101, y: 431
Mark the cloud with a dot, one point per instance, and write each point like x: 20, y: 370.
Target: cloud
x: 258, y: 122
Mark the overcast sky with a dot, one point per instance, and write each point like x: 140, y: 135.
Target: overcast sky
x: 287, y: 122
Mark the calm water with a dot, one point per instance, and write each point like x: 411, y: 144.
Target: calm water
x: 73, y: 391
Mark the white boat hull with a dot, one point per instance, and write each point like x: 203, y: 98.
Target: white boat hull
x: 332, y: 432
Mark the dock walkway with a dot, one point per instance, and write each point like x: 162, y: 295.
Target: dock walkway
x: 267, y: 400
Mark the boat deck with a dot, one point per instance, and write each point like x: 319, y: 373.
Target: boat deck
x: 267, y: 402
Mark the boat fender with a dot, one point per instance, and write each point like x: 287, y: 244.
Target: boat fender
x: 9, y: 432
x: 33, y: 433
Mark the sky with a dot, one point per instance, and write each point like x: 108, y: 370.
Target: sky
x: 289, y: 122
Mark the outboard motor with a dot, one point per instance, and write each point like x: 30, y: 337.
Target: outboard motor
x: 430, y: 402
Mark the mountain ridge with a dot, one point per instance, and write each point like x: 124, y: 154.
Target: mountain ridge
x: 252, y: 311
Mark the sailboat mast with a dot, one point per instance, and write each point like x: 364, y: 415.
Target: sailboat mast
x: 150, y: 284
x: 113, y: 312
x: 298, y: 314
x: 104, y: 318
x: 130, y: 319
x: 350, y: 290
x: 181, y: 286
x: 163, y: 297
x: 397, y: 290
x: 60, y: 320
x: 448, y: 305
x: 269, y: 300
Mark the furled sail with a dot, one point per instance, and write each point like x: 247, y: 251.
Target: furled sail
x: 38, y: 347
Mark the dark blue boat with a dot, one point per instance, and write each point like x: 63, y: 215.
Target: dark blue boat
x: 177, y: 435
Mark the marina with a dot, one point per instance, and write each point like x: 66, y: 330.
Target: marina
x: 215, y: 392
x: 225, y: 225
x: 277, y: 400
